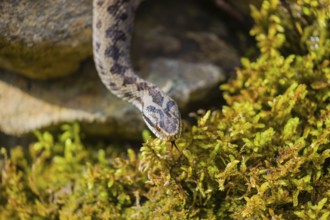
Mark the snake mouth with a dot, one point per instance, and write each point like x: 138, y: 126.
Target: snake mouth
x: 148, y: 121
x: 153, y: 127
x: 158, y: 131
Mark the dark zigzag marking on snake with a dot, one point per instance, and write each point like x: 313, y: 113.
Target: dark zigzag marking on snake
x: 97, y: 46
x: 100, y: 67
x: 113, y: 85
x: 123, y: 16
x: 161, y: 119
x: 157, y: 97
x: 129, y: 95
x: 99, y: 24
x: 115, y: 34
x: 100, y: 3
x: 118, y: 69
x: 159, y: 112
x: 114, y: 8
x: 115, y: 11
x: 129, y: 80
x: 169, y: 105
x: 142, y: 86
x: 112, y: 51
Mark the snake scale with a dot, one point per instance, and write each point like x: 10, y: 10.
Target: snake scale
x: 112, y: 30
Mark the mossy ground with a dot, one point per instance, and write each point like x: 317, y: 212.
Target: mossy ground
x: 265, y: 155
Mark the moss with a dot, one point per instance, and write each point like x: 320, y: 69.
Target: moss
x: 265, y: 155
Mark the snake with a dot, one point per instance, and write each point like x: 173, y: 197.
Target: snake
x: 112, y: 32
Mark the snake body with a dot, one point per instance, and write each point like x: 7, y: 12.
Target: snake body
x: 112, y: 29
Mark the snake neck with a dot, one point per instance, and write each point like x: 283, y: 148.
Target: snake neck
x: 112, y: 29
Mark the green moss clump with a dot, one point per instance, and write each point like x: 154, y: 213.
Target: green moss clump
x: 263, y: 156
x: 63, y: 179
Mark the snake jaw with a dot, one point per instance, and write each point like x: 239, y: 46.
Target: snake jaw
x: 165, y: 125
x: 163, y: 135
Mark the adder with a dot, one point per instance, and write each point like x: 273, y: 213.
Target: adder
x: 112, y: 28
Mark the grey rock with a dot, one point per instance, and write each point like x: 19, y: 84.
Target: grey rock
x: 185, y: 81
x: 44, y: 39
x: 176, y: 44
x: 28, y: 105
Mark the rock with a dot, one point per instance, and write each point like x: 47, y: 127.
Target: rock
x: 44, y: 39
x: 238, y: 9
x: 193, y: 34
x: 49, y: 39
x: 185, y: 82
x: 28, y: 105
x: 178, y: 45
x: 244, y: 5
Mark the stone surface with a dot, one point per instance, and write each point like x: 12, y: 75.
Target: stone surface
x: 244, y: 5
x: 185, y: 30
x: 180, y: 45
x: 44, y: 39
x: 27, y: 105
x: 238, y: 9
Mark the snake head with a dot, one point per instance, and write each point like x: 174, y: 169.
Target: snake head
x: 164, y: 121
